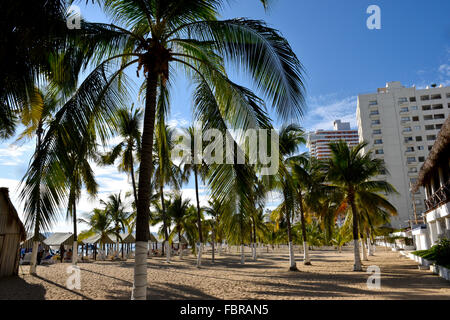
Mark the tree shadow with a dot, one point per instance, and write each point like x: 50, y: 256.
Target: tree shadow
x: 17, y: 288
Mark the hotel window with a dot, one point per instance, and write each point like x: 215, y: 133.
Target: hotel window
x: 412, y: 99
x: 376, y: 131
x: 406, y: 119
x: 431, y: 137
x: 408, y: 139
x: 378, y: 141
x: 407, y: 129
x: 417, y: 128
x: 404, y: 109
x: 448, y: 95
x: 430, y: 147
x: 429, y: 117
x: 426, y: 108
x: 414, y: 108
x: 439, y: 116
x: 415, y: 118
x: 374, y: 113
x: 379, y: 151
x: 412, y: 170
x: 419, y: 138
x: 420, y: 148
x: 411, y: 159
x: 429, y: 127
x: 373, y: 103
x: 376, y: 121
x: 424, y: 98
x: 436, y: 96
x: 421, y: 159
x: 439, y: 126
x: 437, y: 106
x: 410, y: 149
x: 402, y: 100
x: 413, y: 180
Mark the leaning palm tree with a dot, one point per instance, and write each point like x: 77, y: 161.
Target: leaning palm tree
x: 129, y: 147
x: 38, y: 194
x: 351, y: 172
x: 158, y: 36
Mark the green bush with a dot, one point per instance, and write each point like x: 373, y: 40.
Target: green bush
x: 439, y: 253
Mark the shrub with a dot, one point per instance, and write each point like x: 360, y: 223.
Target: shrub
x: 442, y: 252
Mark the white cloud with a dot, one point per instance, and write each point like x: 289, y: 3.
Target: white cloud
x: 445, y: 69
x: 324, y: 109
x: 14, y: 155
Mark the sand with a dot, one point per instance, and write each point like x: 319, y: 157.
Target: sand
x: 329, y: 277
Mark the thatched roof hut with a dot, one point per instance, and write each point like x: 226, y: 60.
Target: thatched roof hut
x: 97, y: 238
x: 12, y: 232
x: 440, y: 153
x: 28, y: 243
x: 59, y: 238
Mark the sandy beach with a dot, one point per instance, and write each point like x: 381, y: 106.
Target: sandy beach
x: 330, y: 277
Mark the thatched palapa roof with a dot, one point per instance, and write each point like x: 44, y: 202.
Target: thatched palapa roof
x: 439, y: 152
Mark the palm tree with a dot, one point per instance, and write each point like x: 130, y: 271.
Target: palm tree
x: 350, y: 172
x: 308, y: 181
x: 177, y: 212
x: 78, y: 171
x: 196, y: 166
x: 99, y: 222
x: 38, y: 193
x: 116, y: 210
x: 166, y: 172
x: 129, y: 131
x: 159, y: 35
x: 291, y: 136
x: 28, y: 50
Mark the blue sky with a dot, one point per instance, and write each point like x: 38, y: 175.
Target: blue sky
x: 341, y: 56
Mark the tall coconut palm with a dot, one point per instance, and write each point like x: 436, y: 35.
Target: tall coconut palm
x: 79, y: 173
x: 38, y: 194
x: 351, y: 172
x: 165, y: 172
x: 308, y: 181
x: 197, y: 167
x: 291, y: 136
x: 99, y: 222
x: 129, y: 121
x: 158, y: 36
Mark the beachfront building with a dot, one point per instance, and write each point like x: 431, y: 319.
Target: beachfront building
x: 12, y: 232
x: 401, y: 125
x: 434, y: 178
x: 318, y: 141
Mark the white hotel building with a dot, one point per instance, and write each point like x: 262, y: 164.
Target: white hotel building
x: 318, y: 142
x: 401, y: 125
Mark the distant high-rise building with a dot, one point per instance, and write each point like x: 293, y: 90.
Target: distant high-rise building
x: 318, y: 142
x: 401, y: 124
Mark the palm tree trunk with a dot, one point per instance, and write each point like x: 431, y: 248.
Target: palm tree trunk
x: 144, y: 191
x: 133, y: 181
x: 292, y: 264
x: 364, y: 251
x: 35, y: 248
x: 306, y: 260
x: 254, y: 240
x: 357, y: 263
x: 199, y: 221
x: 213, y: 235
x: 166, y: 234
x: 179, y: 244
x: 75, y: 234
